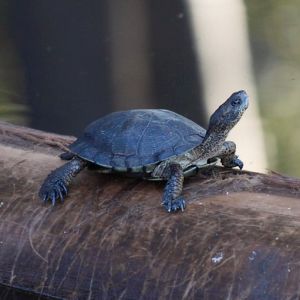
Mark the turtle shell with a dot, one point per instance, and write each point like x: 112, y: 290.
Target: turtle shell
x: 136, y: 138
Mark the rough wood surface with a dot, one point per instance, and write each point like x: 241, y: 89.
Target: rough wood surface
x: 238, y: 238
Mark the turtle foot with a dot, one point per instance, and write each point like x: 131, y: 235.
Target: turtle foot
x: 231, y: 162
x: 174, y: 205
x: 52, y: 189
x: 55, y: 185
x: 238, y: 163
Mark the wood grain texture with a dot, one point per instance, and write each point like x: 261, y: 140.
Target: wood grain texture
x: 238, y: 238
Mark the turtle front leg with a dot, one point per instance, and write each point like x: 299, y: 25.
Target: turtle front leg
x: 172, y: 200
x: 56, y: 183
x: 228, y: 157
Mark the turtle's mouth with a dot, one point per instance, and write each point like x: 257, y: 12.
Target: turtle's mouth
x: 244, y: 108
x: 245, y: 100
x: 241, y: 112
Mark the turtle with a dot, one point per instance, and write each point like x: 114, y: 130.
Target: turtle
x: 154, y: 144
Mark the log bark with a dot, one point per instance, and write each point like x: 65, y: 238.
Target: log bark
x: 238, y: 238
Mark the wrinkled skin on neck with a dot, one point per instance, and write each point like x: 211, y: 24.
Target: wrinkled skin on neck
x: 227, y: 115
x: 220, y: 123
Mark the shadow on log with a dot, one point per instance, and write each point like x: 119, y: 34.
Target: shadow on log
x: 238, y: 238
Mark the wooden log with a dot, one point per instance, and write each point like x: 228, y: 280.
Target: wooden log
x: 238, y: 238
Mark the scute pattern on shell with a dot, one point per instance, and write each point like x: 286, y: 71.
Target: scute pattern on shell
x: 136, y: 138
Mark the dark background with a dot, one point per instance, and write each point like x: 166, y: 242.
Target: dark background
x: 65, y: 48
x: 65, y: 63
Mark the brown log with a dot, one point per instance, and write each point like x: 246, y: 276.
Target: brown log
x: 238, y: 238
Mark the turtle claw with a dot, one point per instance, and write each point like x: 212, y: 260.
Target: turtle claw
x: 238, y: 163
x: 232, y: 161
x: 61, y: 196
x: 53, y: 191
x: 174, y: 205
x: 53, y: 198
x: 64, y: 189
x: 45, y: 197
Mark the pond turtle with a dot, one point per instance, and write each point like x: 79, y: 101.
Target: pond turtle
x: 153, y: 144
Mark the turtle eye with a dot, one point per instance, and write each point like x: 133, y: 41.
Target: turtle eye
x: 236, y: 102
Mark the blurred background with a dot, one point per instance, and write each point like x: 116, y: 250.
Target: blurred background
x: 65, y: 63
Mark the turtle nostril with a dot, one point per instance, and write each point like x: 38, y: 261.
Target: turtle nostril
x: 236, y: 102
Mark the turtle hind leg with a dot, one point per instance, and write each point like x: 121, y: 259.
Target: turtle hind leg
x: 228, y: 157
x: 56, y: 183
x: 172, y: 200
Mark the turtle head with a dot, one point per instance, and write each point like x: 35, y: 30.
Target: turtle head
x: 228, y: 114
